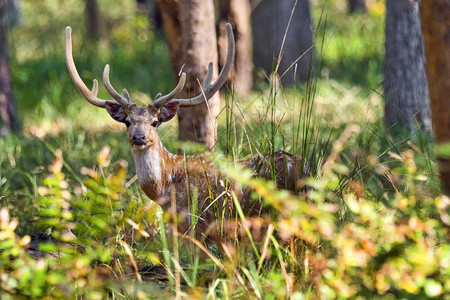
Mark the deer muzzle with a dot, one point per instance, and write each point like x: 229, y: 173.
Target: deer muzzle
x: 138, y: 139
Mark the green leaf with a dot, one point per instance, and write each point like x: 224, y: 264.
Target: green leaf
x: 48, y: 247
x: 432, y: 288
x: 443, y: 150
x: 12, y: 283
x: 6, y: 244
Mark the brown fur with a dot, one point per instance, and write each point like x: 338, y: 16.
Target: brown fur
x: 162, y: 174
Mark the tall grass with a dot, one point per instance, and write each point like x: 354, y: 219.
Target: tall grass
x: 373, y: 225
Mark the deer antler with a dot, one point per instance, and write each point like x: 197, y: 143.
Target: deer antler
x: 163, y: 100
x: 208, y: 89
x: 124, y: 101
x: 91, y: 95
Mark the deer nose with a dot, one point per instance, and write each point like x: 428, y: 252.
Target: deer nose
x: 138, y: 139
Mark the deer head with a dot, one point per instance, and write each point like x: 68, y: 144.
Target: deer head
x: 161, y: 173
x: 142, y: 122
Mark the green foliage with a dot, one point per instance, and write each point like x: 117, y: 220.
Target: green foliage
x: 384, y: 251
x: 443, y: 150
x: 354, y: 44
x: 41, y: 82
x: 92, y: 230
x: 374, y: 224
x: 396, y: 250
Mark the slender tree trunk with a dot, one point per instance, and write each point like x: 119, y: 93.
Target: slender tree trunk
x: 154, y: 17
x: 170, y: 14
x: 237, y: 13
x: 357, y: 6
x: 7, y: 109
x: 435, y: 16
x: 92, y: 20
x: 405, y: 82
x: 270, y: 20
x: 14, y: 15
x: 190, y: 32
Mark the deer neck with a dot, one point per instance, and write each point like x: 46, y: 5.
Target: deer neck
x: 152, y: 173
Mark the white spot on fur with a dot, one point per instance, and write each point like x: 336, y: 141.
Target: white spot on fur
x: 290, y: 165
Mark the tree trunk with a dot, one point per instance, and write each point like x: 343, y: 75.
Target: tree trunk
x: 153, y: 14
x: 170, y: 14
x: 92, y: 20
x: 436, y: 32
x: 7, y: 109
x: 190, y: 32
x: 269, y: 23
x: 14, y: 15
x: 237, y: 13
x: 357, y: 6
x: 405, y: 82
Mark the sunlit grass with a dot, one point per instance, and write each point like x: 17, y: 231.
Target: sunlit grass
x: 373, y: 224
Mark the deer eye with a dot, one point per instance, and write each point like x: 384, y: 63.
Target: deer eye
x: 155, y: 123
x: 127, y: 123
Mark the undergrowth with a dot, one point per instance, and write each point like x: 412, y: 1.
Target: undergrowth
x: 75, y: 224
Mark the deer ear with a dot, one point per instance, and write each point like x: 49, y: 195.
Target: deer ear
x: 116, y: 111
x: 168, y: 111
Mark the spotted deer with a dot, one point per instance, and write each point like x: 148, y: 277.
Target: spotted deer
x: 162, y: 174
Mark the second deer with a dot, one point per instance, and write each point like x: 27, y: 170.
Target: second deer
x: 162, y: 174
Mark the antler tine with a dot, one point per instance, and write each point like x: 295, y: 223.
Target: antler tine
x: 123, y: 101
x: 162, y: 100
x: 208, y: 76
x: 90, y: 95
x: 210, y: 89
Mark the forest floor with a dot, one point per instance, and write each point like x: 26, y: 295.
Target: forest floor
x: 374, y: 224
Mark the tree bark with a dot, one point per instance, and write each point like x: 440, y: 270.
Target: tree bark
x: 405, y: 82
x: 170, y: 14
x: 92, y: 20
x: 357, y: 6
x: 435, y: 16
x: 269, y: 22
x: 14, y: 15
x: 7, y: 108
x: 237, y: 13
x: 190, y: 32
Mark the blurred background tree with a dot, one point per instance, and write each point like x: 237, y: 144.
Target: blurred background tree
x: 14, y: 14
x: 357, y: 6
x: 190, y: 31
x: 154, y: 16
x: 435, y: 15
x: 368, y: 184
x: 405, y: 82
x: 237, y: 13
x: 92, y: 20
x: 270, y: 19
x: 7, y: 109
